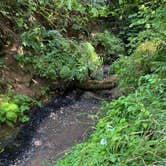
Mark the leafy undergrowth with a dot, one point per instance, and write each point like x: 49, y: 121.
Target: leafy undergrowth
x: 13, y: 108
x: 37, y: 34
x: 149, y: 57
x: 131, y: 133
x: 132, y: 128
x: 60, y: 58
x: 109, y: 46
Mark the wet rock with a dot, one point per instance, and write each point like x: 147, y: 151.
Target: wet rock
x: 53, y: 116
x: 38, y: 143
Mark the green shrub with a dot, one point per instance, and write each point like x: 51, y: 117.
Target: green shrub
x: 132, y: 129
x: 13, y: 108
x: 131, y: 133
x: 56, y: 57
x: 112, y: 46
x: 143, y: 61
x: 147, y: 23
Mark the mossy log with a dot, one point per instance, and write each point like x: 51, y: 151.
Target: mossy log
x: 107, y: 83
x: 89, y: 85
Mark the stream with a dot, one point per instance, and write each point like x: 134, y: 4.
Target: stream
x: 53, y: 130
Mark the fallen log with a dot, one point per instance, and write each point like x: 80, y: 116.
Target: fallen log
x: 88, y: 85
x: 107, y: 83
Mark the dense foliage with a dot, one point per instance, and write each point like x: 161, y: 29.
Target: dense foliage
x: 132, y: 130
x: 149, y: 57
x: 131, y: 133
x: 47, y: 43
x: 57, y: 41
x: 57, y: 57
x: 13, y: 108
x: 109, y: 46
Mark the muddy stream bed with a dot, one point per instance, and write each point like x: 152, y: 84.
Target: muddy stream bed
x: 52, y: 130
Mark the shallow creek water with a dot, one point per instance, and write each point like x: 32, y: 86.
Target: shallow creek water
x: 52, y: 130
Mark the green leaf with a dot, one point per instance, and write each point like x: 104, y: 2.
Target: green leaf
x: 69, y: 4
x: 11, y: 116
x: 65, y: 72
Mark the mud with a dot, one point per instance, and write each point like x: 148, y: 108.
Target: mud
x: 53, y: 130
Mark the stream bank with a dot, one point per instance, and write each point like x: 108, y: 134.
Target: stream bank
x: 53, y: 130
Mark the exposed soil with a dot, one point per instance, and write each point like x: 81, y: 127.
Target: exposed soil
x: 16, y: 79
